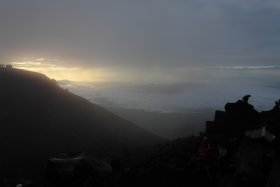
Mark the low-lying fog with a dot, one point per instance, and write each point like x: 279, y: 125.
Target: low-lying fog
x: 180, y: 109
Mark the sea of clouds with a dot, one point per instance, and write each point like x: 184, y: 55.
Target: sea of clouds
x: 211, y: 90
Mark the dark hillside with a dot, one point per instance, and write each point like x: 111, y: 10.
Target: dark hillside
x: 39, y: 119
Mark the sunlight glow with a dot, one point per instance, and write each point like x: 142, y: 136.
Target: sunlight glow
x: 52, y: 69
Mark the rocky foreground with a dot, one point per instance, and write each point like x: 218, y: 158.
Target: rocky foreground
x: 239, y: 148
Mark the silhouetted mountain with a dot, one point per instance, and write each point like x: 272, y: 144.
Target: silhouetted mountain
x: 39, y: 119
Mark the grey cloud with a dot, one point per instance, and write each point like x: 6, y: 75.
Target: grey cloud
x: 265, y: 67
x: 141, y: 33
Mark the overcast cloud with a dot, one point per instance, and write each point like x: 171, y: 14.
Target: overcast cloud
x: 135, y: 34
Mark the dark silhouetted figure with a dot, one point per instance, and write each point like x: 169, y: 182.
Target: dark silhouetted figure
x: 277, y: 105
x: 246, y: 98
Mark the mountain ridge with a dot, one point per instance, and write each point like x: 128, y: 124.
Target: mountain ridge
x: 39, y: 119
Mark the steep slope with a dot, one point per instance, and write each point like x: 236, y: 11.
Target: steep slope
x: 39, y: 119
x: 169, y: 125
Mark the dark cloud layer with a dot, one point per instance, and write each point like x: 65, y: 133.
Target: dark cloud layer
x: 140, y: 33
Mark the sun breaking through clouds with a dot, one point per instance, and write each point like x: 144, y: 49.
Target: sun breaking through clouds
x: 53, y: 69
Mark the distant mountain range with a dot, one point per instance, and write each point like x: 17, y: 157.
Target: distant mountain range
x: 39, y: 119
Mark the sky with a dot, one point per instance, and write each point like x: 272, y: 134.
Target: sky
x: 159, y: 45
x: 119, y: 39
